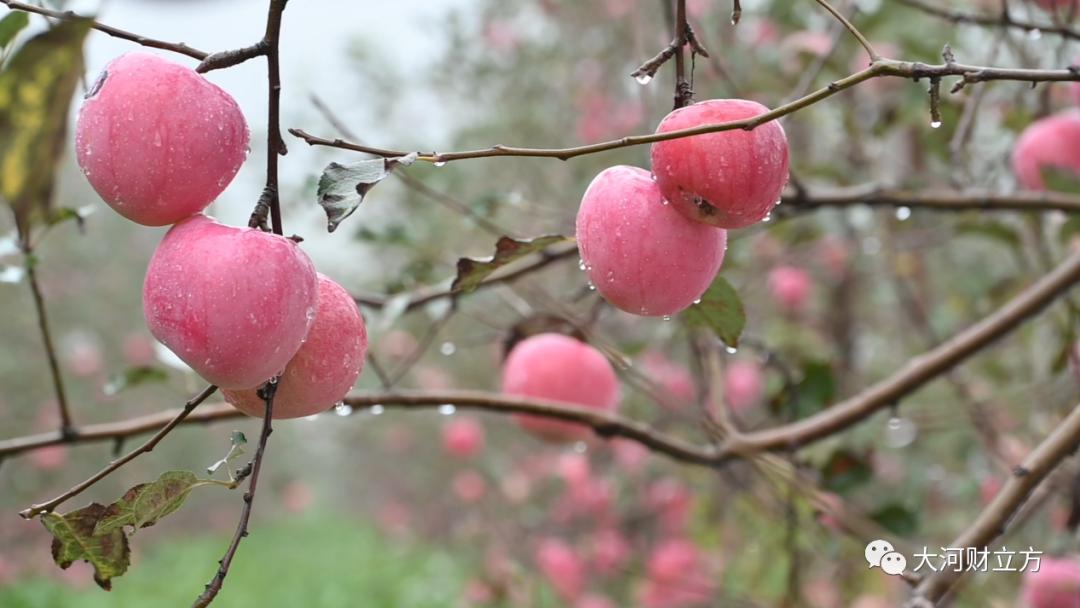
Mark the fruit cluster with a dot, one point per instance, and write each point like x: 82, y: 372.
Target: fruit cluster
x: 240, y: 306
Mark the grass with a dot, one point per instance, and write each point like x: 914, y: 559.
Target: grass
x: 326, y: 562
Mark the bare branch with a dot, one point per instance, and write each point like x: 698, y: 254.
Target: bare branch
x: 76, y: 436
x: 851, y: 28
x: 181, y: 48
x: 995, y: 518
x: 46, y: 338
x: 880, y: 68
x: 1002, y: 19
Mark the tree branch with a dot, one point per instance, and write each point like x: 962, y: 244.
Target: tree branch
x: 880, y: 68
x: 181, y: 48
x: 46, y: 337
x: 918, y: 371
x: 851, y: 28
x: 75, y: 435
x: 267, y: 392
x: 995, y: 518
x: 1002, y: 19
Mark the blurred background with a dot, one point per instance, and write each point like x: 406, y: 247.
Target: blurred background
x: 396, y: 509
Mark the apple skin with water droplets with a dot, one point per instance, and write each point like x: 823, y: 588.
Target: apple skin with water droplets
x: 235, y: 304
x: 325, y: 368
x: 158, y: 141
x: 640, y: 253
x: 554, y: 367
x: 729, y: 179
x: 1047, y: 143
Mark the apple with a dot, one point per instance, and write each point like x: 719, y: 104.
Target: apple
x: 1056, y: 584
x: 554, y: 367
x: 158, y: 141
x: 561, y: 566
x: 469, y: 486
x: 463, y: 437
x: 730, y: 179
x: 325, y: 368
x: 744, y: 385
x: 1047, y: 143
x: 235, y: 304
x: 642, y: 255
x: 675, y: 384
x: 790, y: 287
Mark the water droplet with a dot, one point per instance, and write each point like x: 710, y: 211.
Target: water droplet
x: 377, y: 410
x: 935, y: 124
x: 271, y: 381
x: 157, y: 139
x: 697, y: 301
x: 900, y: 432
x: 581, y: 264
x: 439, y: 163
x: 666, y: 317
x: 903, y: 213
x: 731, y: 350
x: 447, y: 349
x: 767, y: 218
x: 664, y: 202
x: 447, y: 409
x: 643, y: 79
x: 342, y: 409
x: 1035, y: 33
x: 591, y: 286
x: 311, y: 418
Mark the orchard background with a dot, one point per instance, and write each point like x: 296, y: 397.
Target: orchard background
x: 897, y: 359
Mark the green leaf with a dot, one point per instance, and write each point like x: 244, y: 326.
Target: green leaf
x: 845, y: 470
x: 134, y: 376
x: 817, y: 388
x: 11, y: 25
x: 145, y: 504
x: 35, y: 92
x: 1060, y: 179
x: 990, y: 229
x: 897, y: 519
x: 64, y: 214
x: 470, y: 272
x: 721, y: 310
x: 343, y: 187
x: 237, y: 441
x: 74, y: 539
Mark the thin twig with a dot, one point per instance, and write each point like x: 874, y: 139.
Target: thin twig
x: 851, y: 28
x: 1002, y: 19
x: 76, y: 435
x: 995, y: 518
x: 267, y: 392
x: 46, y: 338
x: 880, y: 68
x: 175, y: 47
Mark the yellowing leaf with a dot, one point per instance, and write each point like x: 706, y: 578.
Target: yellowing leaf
x: 35, y: 93
x: 470, y: 272
x: 74, y: 540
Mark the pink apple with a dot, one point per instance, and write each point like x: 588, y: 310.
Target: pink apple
x: 744, y: 384
x: 463, y: 437
x: 672, y: 502
x: 50, y: 458
x: 790, y: 287
x: 469, y: 486
x: 642, y: 255
x: 672, y: 560
x: 1055, y: 585
x: 157, y: 140
x: 555, y: 367
x: 235, y: 304
x: 1047, y: 143
x: 561, y: 566
x: 610, y: 550
x: 675, y: 384
x: 730, y: 179
x: 325, y: 368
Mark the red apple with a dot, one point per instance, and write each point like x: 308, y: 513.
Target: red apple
x: 1055, y: 585
x: 1047, y: 143
x: 561, y: 566
x: 640, y: 253
x: 157, y: 140
x: 463, y: 437
x: 326, y: 366
x: 555, y: 367
x: 790, y: 287
x: 235, y: 304
x: 744, y: 385
x: 730, y: 179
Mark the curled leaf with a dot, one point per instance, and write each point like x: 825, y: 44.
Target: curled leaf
x: 74, y: 539
x: 470, y: 272
x: 721, y: 310
x: 343, y: 187
x: 145, y: 504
